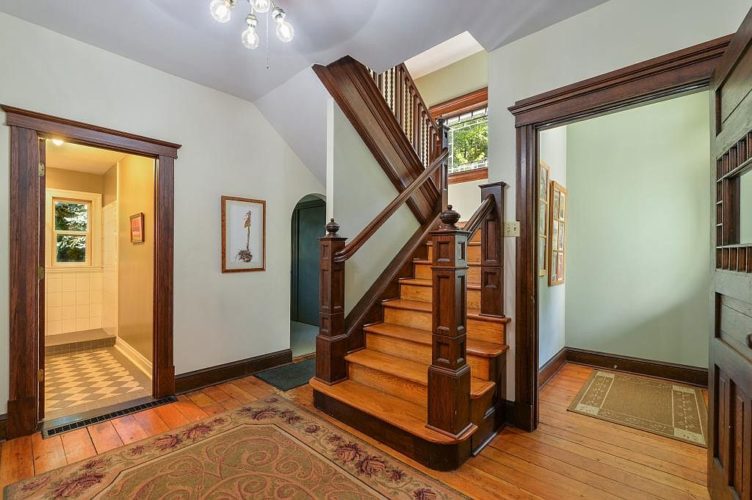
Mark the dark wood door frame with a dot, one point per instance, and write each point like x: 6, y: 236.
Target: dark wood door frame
x: 26, y: 236
x: 666, y: 76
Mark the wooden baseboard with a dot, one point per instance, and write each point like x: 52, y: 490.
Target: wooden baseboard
x: 135, y: 357
x: 3, y: 426
x: 670, y: 371
x: 552, y: 366
x: 191, y: 381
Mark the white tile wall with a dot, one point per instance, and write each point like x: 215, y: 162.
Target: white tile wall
x: 73, y: 300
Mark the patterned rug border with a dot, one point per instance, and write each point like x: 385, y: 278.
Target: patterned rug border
x: 74, y: 480
x: 698, y: 395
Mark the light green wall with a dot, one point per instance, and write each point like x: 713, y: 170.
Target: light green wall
x: 638, y: 263
x: 466, y: 75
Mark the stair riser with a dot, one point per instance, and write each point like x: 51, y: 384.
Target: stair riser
x: 473, y: 253
x: 423, y: 294
x: 480, y: 330
x: 405, y: 389
x: 423, y: 271
x: 479, y: 366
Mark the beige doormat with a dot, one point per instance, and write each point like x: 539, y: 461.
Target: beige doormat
x: 653, y: 405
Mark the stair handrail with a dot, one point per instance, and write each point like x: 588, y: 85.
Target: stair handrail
x: 474, y: 222
x: 365, y: 234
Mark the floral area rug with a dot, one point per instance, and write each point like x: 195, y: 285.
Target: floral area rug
x: 269, y: 449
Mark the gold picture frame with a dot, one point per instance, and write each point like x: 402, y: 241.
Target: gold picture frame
x: 544, y: 174
x: 558, y: 231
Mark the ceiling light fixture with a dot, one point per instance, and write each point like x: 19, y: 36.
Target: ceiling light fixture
x: 221, y: 11
x: 58, y: 142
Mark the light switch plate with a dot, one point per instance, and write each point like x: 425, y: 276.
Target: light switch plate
x: 512, y: 229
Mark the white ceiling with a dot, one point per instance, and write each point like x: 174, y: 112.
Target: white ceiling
x: 180, y: 37
x: 81, y: 158
x: 442, y: 55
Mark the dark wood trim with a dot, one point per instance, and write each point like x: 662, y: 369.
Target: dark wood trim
x: 468, y: 102
x: 223, y: 202
x: 436, y: 456
x: 26, y: 190
x: 670, y: 371
x: 369, y: 309
x: 363, y: 236
x: 661, y: 77
x: 552, y: 366
x: 84, y: 133
x: 191, y: 381
x: 3, y: 426
x: 359, y: 98
x: 476, y: 174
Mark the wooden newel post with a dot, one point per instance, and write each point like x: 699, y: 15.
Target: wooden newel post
x: 449, y: 374
x: 492, y: 252
x: 331, y: 342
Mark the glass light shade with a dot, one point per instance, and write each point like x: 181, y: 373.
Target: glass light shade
x: 221, y: 10
x: 261, y: 6
x: 250, y: 38
x: 58, y: 142
x: 285, y: 31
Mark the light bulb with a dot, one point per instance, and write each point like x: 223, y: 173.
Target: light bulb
x: 221, y: 10
x: 261, y: 6
x: 249, y: 37
x: 58, y: 142
x: 285, y: 31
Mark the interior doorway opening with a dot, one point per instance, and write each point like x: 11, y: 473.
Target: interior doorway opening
x: 98, y: 297
x: 308, y: 221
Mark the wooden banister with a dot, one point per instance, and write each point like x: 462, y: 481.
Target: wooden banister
x: 354, y: 245
x: 483, y: 211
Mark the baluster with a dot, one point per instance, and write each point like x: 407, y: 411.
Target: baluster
x: 331, y: 342
x: 398, y: 87
x: 492, y: 253
x: 449, y: 374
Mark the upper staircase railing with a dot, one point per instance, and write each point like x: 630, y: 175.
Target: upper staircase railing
x: 401, y: 95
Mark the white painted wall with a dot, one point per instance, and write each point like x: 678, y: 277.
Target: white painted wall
x: 357, y: 189
x: 610, y: 36
x: 551, y: 299
x: 228, y: 148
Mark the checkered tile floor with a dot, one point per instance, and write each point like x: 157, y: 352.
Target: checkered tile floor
x: 82, y: 381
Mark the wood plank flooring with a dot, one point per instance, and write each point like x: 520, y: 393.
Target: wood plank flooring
x: 569, y: 456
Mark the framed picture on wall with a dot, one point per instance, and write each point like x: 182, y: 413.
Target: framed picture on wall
x: 544, y: 174
x: 243, y: 235
x: 137, y: 228
x: 558, y: 242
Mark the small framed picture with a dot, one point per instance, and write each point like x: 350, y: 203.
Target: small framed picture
x: 558, y: 242
x: 137, y: 228
x: 243, y: 235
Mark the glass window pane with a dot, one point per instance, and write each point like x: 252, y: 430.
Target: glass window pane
x: 468, y: 142
x: 71, y: 216
x: 71, y: 248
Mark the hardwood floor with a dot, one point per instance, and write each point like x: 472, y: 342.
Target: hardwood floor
x: 569, y: 456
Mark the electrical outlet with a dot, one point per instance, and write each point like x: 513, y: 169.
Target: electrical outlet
x: 512, y: 229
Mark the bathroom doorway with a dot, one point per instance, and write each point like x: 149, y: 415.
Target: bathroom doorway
x: 308, y: 221
x: 99, y: 272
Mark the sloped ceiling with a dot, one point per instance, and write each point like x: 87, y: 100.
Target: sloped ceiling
x: 181, y: 38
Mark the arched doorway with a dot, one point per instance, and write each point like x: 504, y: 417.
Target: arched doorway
x: 308, y: 221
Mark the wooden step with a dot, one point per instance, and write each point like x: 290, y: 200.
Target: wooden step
x: 473, y: 251
x: 414, y: 344
x: 423, y: 271
x: 402, y: 414
x: 417, y: 314
x: 422, y: 289
x: 401, y: 377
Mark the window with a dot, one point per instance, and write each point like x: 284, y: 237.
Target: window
x: 468, y: 141
x: 71, y: 231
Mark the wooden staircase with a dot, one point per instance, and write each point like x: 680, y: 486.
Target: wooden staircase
x: 419, y: 363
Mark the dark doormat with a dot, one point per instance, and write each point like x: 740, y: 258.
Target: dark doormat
x: 290, y: 376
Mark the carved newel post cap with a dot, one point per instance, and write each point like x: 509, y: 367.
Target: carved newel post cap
x: 449, y: 217
x: 332, y: 227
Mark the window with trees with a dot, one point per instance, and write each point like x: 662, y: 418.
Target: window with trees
x: 468, y: 141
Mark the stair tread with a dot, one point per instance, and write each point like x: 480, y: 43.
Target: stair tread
x: 402, y: 414
x: 429, y: 283
x: 474, y: 347
x: 426, y: 261
x: 470, y: 243
x: 407, y: 369
x: 416, y: 305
